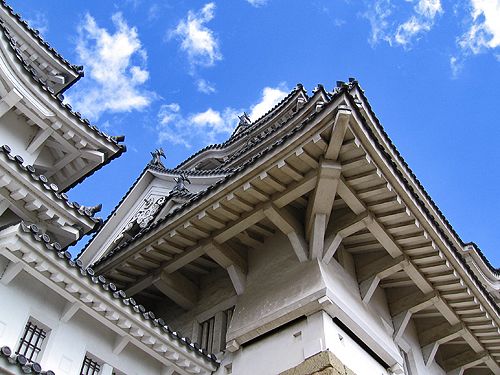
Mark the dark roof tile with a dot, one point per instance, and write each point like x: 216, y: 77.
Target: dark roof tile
x: 77, y: 69
x: 107, y: 287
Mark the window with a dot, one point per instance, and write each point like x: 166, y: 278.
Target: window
x: 31, y: 342
x: 207, y: 334
x: 213, y: 339
x: 228, y: 315
x: 90, y: 367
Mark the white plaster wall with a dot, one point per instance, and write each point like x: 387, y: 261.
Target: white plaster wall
x: 349, y: 352
x: 270, y: 355
x: 370, y: 322
x: 67, y: 343
x: 276, y: 280
x: 417, y: 364
x: 17, y: 134
x: 216, y: 293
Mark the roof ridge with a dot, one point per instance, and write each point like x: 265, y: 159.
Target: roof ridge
x: 235, y: 137
x: 78, y: 69
x: 190, y: 172
x: 202, y: 193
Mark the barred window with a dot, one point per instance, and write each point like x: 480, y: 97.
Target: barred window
x: 228, y: 315
x: 31, y: 342
x: 90, y: 367
x: 212, y: 334
x: 207, y: 334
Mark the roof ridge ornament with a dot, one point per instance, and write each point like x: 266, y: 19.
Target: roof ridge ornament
x: 157, y: 155
x: 244, y: 119
x: 180, y: 183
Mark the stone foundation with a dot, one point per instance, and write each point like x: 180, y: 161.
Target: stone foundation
x: 323, y: 363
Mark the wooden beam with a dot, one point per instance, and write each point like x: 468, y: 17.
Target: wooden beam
x: 320, y: 206
x: 249, y: 240
x: 295, y: 190
x: 291, y: 227
x: 120, y: 344
x: 332, y: 242
x: 338, y: 133
x: 178, y: 288
x: 142, y: 284
x: 371, y: 275
x: 184, y: 258
x: 4, y: 205
x: 225, y: 256
x: 69, y: 311
x: 233, y: 262
x: 247, y: 220
x: 39, y: 138
x: 12, y: 270
x: 238, y: 278
x: 10, y: 100
x: 323, y: 196
x: 431, y: 339
x: 457, y: 364
x: 93, y: 155
x: 405, y: 307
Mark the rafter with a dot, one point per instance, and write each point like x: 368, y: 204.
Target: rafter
x: 232, y: 261
x: 178, y: 288
x: 320, y: 205
x: 291, y: 227
x: 333, y: 241
x: 435, y: 336
x: 10, y: 100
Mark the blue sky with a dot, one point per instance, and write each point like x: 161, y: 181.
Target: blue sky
x: 176, y: 73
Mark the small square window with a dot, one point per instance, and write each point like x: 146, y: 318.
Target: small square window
x: 90, y: 367
x: 32, y: 340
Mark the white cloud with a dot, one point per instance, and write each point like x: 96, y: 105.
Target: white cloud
x: 270, y: 97
x: 456, y: 66
x: 378, y: 16
x: 422, y: 21
x: 257, y: 3
x: 484, y: 32
x: 115, y: 69
x: 210, y: 126
x: 197, y: 40
x: 202, y: 85
x: 385, y: 28
x: 205, y: 127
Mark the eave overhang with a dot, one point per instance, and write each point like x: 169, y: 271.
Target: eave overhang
x: 40, y: 104
x: 38, y: 256
x: 35, y: 199
x: 45, y: 53
x: 366, y: 160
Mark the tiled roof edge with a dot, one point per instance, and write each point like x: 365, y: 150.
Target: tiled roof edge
x: 417, y: 181
x: 43, y: 182
x: 218, y: 183
x: 189, y: 172
x: 110, y: 288
x: 22, y: 362
x: 397, y: 171
x: 234, y: 138
x: 77, y: 69
x: 50, y: 92
x: 495, y: 271
x: 112, y: 212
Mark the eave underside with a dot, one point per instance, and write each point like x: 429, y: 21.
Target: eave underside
x: 369, y: 214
